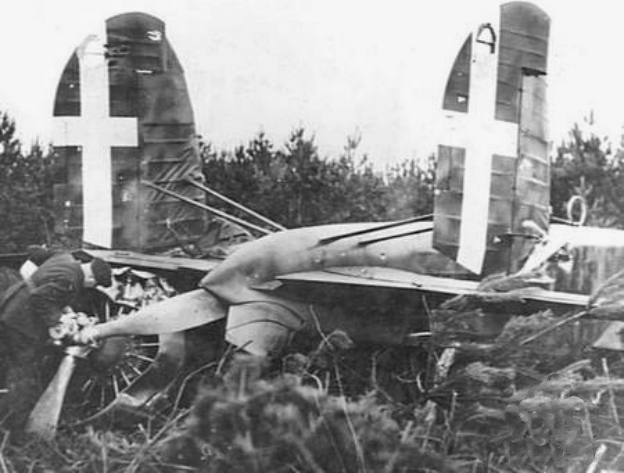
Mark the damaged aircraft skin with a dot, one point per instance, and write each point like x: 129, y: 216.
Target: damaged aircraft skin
x: 371, y: 280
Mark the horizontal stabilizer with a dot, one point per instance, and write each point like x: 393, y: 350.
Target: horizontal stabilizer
x: 389, y: 278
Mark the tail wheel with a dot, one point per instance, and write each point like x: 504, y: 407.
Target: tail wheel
x: 118, y: 361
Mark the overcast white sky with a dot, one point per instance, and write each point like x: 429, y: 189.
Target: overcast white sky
x: 332, y: 66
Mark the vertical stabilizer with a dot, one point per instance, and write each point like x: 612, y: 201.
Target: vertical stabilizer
x: 122, y: 114
x: 493, y: 171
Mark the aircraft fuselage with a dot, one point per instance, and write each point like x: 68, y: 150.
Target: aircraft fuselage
x: 262, y: 314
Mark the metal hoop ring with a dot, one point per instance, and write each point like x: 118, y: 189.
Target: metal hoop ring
x: 577, y: 200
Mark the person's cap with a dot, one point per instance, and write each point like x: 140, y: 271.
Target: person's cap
x: 102, y: 272
x: 38, y: 254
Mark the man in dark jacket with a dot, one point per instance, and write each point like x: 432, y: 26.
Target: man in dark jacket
x: 27, y: 311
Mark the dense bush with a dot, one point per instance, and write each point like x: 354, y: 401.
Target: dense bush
x: 296, y: 187
x: 251, y: 424
x: 498, y: 408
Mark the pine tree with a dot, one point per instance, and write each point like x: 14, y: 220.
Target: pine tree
x: 25, y: 191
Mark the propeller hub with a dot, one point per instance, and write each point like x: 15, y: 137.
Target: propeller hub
x: 110, y: 353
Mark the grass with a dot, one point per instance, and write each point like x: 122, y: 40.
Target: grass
x: 510, y: 401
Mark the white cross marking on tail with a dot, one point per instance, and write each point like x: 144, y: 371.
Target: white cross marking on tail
x: 482, y: 136
x: 96, y: 132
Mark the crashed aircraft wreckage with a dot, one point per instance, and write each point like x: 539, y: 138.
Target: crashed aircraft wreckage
x: 306, y: 278
x: 369, y: 279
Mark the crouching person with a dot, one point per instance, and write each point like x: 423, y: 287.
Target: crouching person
x: 27, y: 311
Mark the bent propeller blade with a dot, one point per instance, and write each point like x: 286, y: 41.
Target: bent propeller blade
x: 45, y: 416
